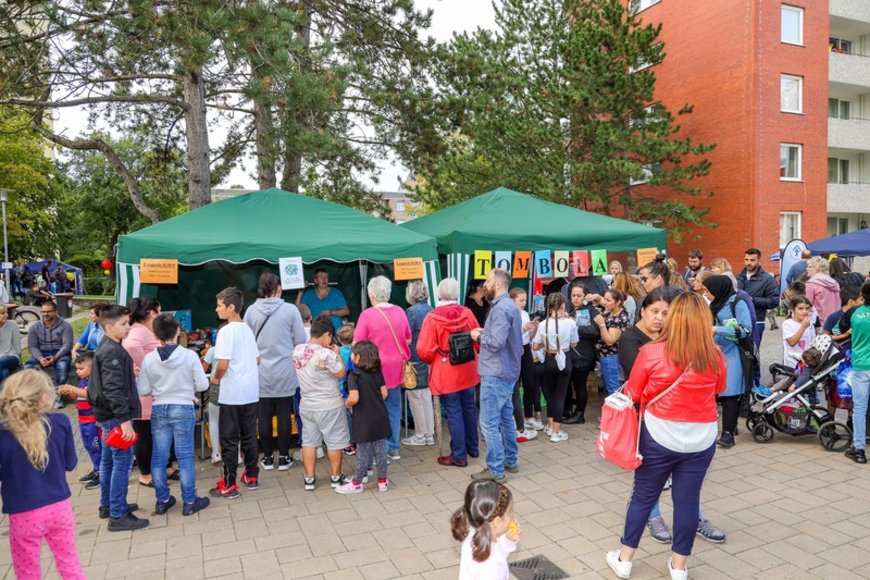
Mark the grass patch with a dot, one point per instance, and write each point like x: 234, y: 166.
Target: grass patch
x: 96, y: 297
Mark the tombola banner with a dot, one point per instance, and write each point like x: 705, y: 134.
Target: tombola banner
x: 482, y: 264
x: 522, y: 264
x: 503, y: 261
x: 561, y: 263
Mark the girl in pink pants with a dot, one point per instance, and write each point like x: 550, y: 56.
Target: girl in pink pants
x: 36, y: 451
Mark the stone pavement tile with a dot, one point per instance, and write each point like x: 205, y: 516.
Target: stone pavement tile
x: 727, y: 564
x: 93, y: 572
x: 147, y: 548
x: 442, y: 558
x: 252, y: 528
x: 807, y: 543
x: 822, y: 532
x: 394, y: 539
x: 834, y: 571
x: 379, y: 571
x: 219, y: 536
x: 261, y: 565
x: 398, y: 520
x: 770, y: 531
x: 108, y: 552
x: 278, y: 541
x: 310, y: 567
x: 349, y: 574
x: 361, y: 557
x: 793, y: 555
x: 787, y: 572
x: 325, y: 544
x: 291, y: 556
x: 218, y: 566
x: 761, y: 560
x: 187, y: 568
x: 155, y: 563
x: 314, y: 525
x: 226, y: 550
x: 419, y: 530
x: 410, y: 561
x: 847, y: 556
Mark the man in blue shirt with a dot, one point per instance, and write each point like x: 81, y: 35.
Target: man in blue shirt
x: 501, y: 347
x: 324, y: 300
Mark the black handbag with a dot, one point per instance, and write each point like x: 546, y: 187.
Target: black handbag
x: 461, y: 347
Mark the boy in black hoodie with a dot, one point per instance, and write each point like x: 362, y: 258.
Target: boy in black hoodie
x: 112, y: 393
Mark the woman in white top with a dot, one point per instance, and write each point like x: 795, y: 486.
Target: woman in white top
x: 555, y: 336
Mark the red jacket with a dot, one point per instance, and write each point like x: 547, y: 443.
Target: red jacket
x: 432, y: 348
x: 693, y: 400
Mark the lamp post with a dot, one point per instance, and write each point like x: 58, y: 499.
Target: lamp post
x: 4, y: 193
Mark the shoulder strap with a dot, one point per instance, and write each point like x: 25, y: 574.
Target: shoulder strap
x: 393, y: 332
x: 262, y: 326
x: 655, y: 399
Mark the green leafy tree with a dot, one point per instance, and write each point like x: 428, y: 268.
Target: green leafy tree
x: 559, y: 101
x: 31, y: 177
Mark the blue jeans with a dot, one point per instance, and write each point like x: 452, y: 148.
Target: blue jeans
x: 461, y: 410
x: 61, y: 366
x: 687, y: 471
x: 394, y: 413
x: 8, y: 365
x: 173, y: 423
x: 610, y: 370
x: 497, y: 423
x: 115, y: 467
x: 860, y: 381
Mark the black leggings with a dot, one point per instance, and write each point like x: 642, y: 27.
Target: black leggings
x: 730, y: 413
x: 576, y: 395
x: 554, y: 383
x: 518, y: 409
x: 531, y: 386
x: 280, y: 407
x: 144, y: 446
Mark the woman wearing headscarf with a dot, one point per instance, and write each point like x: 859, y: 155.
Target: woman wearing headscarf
x: 731, y: 321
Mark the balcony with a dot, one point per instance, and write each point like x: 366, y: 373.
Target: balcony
x: 849, y: 134
x: 850, y: 9
x: 849, y: 198
x: 849, y: 69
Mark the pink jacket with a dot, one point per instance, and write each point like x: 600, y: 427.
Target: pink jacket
x: 372, y: 326
x: 139, y: 342
x: 824, y: 292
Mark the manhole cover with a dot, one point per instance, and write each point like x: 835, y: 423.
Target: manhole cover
x: 536, y: 568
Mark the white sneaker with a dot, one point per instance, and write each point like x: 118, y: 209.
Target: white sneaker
x: 535, y: 424
x: 620, y: 568
x: 678, y: 574
x: 417, y: 440
x: 529, y: 434
x: 215, y: 457
x: 430, y: 440
x: 548, y: 431
x: 558, y: 437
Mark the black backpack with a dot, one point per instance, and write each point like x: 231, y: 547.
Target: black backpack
x: 746, y: 348
x: 461, y: 347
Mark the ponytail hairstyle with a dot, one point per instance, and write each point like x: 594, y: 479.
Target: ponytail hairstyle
x: 617, y: 295
x: 26, y: 397
x: 141, y: 307
x: 484, y: 501
x: 659, y: 267
x: 555, y: 301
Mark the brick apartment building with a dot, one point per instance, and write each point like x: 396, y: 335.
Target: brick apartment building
x: 764, y: 77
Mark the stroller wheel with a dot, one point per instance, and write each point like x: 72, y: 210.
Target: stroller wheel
x: 751, y: 422
x: 762, y: 432
x: 835, y: 436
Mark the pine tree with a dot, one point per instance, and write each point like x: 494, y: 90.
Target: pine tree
x: 559, y: 102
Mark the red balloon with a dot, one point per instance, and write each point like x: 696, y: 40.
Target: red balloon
x: 106, y: 264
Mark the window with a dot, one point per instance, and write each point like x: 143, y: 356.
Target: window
x: 789, y: 227
x: 641, y: 5
x: 659, y: 46
x: 838, y: 109
x: 791, y: 94
x: 400, y: 206
x: 648, y: 171
x: 649, y: 115
x: 837, y: 226
x: 838, y: 170
x: 840, y: 45
x: 792, y: 24
x: 789, y: 162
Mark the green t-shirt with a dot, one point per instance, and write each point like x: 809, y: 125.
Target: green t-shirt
x: 860, y: 323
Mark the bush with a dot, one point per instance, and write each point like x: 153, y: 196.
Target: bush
x: 99, y: 285
x: 90, y: 265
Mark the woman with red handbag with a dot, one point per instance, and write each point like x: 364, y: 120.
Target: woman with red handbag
x: 678, y: 434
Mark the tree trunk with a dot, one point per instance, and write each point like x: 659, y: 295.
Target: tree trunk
x: 292, y: 171
x: 265, y: 143
x: 199, y: 178
x: 292, y: 157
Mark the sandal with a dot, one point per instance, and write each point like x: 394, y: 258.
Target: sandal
x: 174, y: 476
x: 146, y: 483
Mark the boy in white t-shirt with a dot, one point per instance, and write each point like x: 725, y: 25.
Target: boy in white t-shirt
x: 235, y: 370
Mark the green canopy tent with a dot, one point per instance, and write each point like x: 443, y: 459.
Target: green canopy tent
x: 507, y: 220
x: 231, y: 242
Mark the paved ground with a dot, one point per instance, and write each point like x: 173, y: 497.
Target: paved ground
x: 791, y: 509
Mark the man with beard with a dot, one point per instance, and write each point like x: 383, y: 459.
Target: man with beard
x: 763, y: 290
x: 501, y: 348
x: 696, y: 266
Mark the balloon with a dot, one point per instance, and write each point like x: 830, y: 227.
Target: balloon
x: 106, y: 264
x: 107, y: 271
x: 71, y: 276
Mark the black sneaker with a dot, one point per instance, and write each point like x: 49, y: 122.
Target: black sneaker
x: 95, y: 482
x: 856, y: 455
x: 104, y: 510
x: 127, y: 524
x: 726, y: 440
x: 198, y: 504
x: 163, y: 506
x: 250, y: 481
x: 89, y: 476
x: 268, y: 463
x: 284, y: 463
x: 338, y: 480
x: 310, y: 483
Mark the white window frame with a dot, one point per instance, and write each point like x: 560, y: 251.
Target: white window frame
x: 800, y: 148
x: 800, y: 104
x: 400, y: 206
x: 800, y: 12
x: 638, y: 6
x: 796, y: 234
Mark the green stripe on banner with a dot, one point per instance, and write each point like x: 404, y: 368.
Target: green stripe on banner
x: 431, y: 278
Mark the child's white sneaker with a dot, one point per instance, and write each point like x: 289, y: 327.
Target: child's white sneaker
x: 678, y: 574
x: 350, y: 487
x: 383, y: 486
x: 620, y: 568
x: 430, y: 440
x: 215, y: 457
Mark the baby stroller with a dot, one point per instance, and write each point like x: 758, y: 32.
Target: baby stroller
x: 798, y: 412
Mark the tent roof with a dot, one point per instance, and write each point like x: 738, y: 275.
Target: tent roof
x: 504, y: 219
x: 855, y: 243
x: 37, y: 266
x: 271, y: 224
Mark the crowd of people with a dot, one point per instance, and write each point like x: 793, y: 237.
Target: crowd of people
x: 691, y: 337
